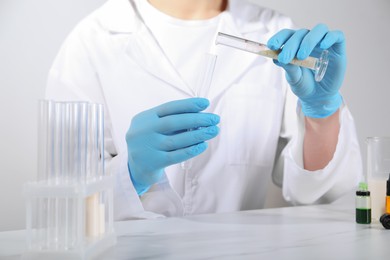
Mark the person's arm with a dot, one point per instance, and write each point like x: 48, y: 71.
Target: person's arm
x: 323, y: 162
x: 320, y: 101
x: 320, y: 141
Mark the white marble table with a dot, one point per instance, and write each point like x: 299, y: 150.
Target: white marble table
x: 309, y: 232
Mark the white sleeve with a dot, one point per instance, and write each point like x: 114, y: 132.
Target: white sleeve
x: 159, y: 201
x: 127, y: 204
x: 340, y: 176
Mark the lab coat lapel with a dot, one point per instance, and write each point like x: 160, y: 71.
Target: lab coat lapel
x: 232, y: 63
x: 143, y: 49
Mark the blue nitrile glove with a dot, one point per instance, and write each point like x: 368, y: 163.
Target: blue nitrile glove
x: 318, y: 99
x: 158, y: 138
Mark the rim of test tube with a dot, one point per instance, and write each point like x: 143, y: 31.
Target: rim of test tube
x: 321, y: 65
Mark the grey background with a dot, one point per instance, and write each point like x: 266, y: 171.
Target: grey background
x: 31, y: 33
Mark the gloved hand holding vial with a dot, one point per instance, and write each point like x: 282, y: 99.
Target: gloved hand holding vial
x: 321, y: 59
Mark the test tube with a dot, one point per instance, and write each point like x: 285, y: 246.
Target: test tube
x: 43, y: 138
x: 202, y: 88
x: 318, y: 65
x: 46, y: 108
x: 100, y: 150
x: 102, y: 212
x: 46, y: 141
x: 77, y: 126
x: 95, y: 170
x: 74, y: 136
x: 82, y: 146
x: 58, y: 143
x: 100, y: 145
x: 206, y: 75
x: 45, y: 119
x: 95, y: 167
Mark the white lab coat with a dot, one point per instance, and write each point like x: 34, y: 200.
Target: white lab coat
x: 112, y: 59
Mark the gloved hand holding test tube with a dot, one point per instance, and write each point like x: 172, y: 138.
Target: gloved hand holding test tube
x: 319, y: 65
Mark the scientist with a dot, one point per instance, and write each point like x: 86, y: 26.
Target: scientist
x: 258, y: 120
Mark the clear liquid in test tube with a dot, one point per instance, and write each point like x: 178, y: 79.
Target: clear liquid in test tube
x: 318, y: 65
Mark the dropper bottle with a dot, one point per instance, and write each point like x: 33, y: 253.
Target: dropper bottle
x: 388, y: 196
x: 363, y: 204
x: 385, y: 218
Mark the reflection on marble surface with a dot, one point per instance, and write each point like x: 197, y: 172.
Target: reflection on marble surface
x: 307, y: 232
x: 315, y: 232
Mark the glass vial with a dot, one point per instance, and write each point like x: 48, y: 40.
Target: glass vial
x: 363, y: 204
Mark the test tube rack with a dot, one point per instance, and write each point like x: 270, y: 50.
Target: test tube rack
x: 69, y: 209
